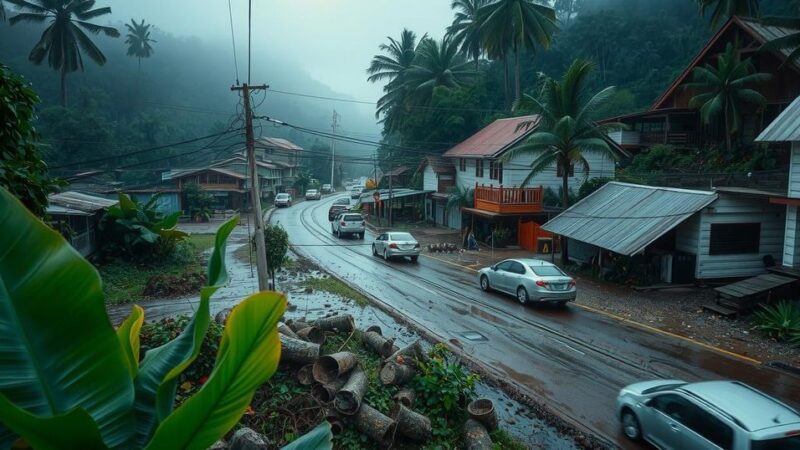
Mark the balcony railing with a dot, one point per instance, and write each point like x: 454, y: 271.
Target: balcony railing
x: 509, y: 200
x: 671, y: 138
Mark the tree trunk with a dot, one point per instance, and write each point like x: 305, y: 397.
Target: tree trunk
x: 348, y: 400
x: 411, y: 424
x: 63, y: 88
x: 330, y: 367
x: 727, y: 133
x: 405, y: 397
x: 312, y: 334
x: 341, y: 324
x: 565, y: 204
x: 297, y: 325
x: 476, y: 436
x: 395, y: 374
x: 483, y: 411
x: 286, y: 330
x: 408, y: 354
x: 517, y: 76
x: 297, y: 351
x: 377, y: 426
x: 327, y: 392
x: 379, y: 344
x: 304, y: 375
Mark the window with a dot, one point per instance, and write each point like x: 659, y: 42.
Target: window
x: 694, y: 418
x: 560, y: 169
x: 479, y: 168
x: 504, y: 266
x: 547, y: 271
x: 462, y: 164
x: 496, y: 171
x: 517, y: 268
x: 734, y: 238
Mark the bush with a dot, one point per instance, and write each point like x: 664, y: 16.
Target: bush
x: 780, y: 321
x: 198, y: 202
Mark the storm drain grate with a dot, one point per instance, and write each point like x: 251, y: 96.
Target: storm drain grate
x: 473, y: 336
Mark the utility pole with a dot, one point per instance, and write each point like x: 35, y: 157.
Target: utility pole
x: 391, y: 168
x: 255, y: 194
x: 333, y: 144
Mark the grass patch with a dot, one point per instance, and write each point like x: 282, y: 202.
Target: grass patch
x: 124, y: 282
x: 333, y: 286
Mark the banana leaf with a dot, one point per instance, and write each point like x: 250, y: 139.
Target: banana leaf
x: 320, y: 438
x: 128, y: 335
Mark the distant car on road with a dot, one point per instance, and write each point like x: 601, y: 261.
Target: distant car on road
x: 396, y: 244
x: 355, y: 191
x: 339, y: 205
x: 283, y: 199
x: 313, y: 194
x: 529, y: 280
x: 349, y: 224
x: 673, y: 414
x: 327, y: 189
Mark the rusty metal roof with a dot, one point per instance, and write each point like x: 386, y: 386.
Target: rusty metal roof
x: 82, y: 202
x: 494, y: 139
x: 438, y: 164
x: 626, y: 218
x: 785, y: 127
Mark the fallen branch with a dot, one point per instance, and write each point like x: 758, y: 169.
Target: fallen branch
x: 407, y: 355
x: 346, y: 341
x: 297, y: 325
x: 330, y: 367
x: 348, y: 399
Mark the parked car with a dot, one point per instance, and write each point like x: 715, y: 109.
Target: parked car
x: 529, y: 280
x: 395, y: 244
x: 313, y: 194
x: 339, y: 205
x: 327, y: 189
x: 349, y: 224
x: 355, y: 191
x: 283, y: 199
x: 673, y: 414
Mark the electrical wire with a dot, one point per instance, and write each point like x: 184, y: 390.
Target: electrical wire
x: 233, y: 41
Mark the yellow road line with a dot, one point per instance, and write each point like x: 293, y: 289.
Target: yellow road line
x: 667, y: 333
x: 449, y: 262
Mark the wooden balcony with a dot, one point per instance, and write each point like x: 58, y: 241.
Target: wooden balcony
x: 509, y: 200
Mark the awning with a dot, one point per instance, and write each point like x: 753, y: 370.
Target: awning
x: 494, y: 215
x: 626, y: 218
x: 366, y: 197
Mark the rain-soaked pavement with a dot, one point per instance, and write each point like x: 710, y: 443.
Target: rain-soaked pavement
x: 572, y: 360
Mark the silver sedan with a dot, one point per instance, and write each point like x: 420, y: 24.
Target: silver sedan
x: 394, y: 244
x: 529, y: 280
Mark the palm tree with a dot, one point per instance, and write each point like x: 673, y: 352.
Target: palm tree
x: 63, y: 40
x: 465, y: 30
x: 2, y: 11
x: 724, y: 9
x: 438, y: 64
x: 790, y: 41
x: 515, y: 26
x: 565, y: 129
x: 460, y: 197
x: 724, y: 88
x: 138, y: 40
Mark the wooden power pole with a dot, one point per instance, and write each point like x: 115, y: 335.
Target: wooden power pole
x: 255, y: 193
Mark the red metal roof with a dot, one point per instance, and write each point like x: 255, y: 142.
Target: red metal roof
x: 494, y: 139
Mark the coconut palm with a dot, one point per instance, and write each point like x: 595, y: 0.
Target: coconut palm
x: 138, y: 40
x: 724, y: 88
x: 63, y: 41
x: 565, y: 129
x: 465, y: 30
x: 724, y: 9
x: 515, y: 26
x: 790, y: 41
x: 2, y: 11
x: 437, y: 64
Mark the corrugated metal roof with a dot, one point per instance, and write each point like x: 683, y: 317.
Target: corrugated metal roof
x: 785, y: 127
x: 55, y: 210
x: 768, y: 33
x: 366, y: 197
x: 81, y: 202
x: 494, y: 139
x: 187, y: 172
x: 626, y: 218
x: 278, y: 143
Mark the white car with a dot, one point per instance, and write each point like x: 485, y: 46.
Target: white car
x: 313, y: 194
x: 396, y: 244
x: 529, y: 280
x: 283, y: 199
x: 356, y: 191
x: 349, y: 223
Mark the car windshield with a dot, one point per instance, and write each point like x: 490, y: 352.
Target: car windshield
x: 282, y: 196
x: 785, y: 443
x: 400, y: 237
x: 312, y: 191
x: 547, y: 271
x: 342, y: 201
x: 353, y: 218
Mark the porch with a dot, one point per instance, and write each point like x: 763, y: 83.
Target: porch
x: 509, y: 200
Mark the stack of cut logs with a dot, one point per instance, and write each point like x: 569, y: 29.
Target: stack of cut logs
x: 443, y: 248
x: 338, y: 381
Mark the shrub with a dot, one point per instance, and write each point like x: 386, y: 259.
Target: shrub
x: 780, y: 321
x: 198, y: 202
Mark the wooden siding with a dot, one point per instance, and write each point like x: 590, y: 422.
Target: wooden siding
x: 794, y: 171
x: 430, y: 181
x: 514, y: 172
x: 467, y: 179
x: 791, y: 246
x: 737, y: 209
x: 625, y: 137
x: 509, y: 200
x: 687, y: 235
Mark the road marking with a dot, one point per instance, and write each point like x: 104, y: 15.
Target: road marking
x: 569, y: 346
x: 667, y: 333
x: 449, y: 262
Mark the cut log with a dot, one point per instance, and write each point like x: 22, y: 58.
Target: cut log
x: 476, y: 436
x: 348, y: 399
x: 296, y: 325
x: 396, y: 374
x: 327, y: 392
x: 333, y: 418
x: 304, y: 375
x: 405, y: 397
x: 298, y: 351
x: 376, y: 425
x: 411, y: 424
x: 408, y: 354
x: 341, y: 324
x: 286, y: 331
x: 222, y: 316
x: 330, y: 367
x: 312, y: 334
x: 374, y: 328
x: 379, y: 344
x: 483, y: 411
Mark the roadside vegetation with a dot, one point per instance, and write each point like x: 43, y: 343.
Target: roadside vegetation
x: 333, y: 286
x: 779, y: 321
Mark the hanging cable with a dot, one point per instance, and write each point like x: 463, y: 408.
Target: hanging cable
x: 233, y: 41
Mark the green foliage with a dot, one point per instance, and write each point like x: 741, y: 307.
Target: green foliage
x: 443, y: 386
x: 138, y: 232
x: 780, y: 321
x: 198, y: 202
x: 22, y: 170
x: 791, y: 41
x: 590, y: 186
x: 460, y: 197
x: 277, y: 245
x: 138, y: 39
x: 303, y: 181
x: 335, y: 287
x: 554, y: 197
x: 503, y: 441
x: 104, y: 397
x: 724, y: 9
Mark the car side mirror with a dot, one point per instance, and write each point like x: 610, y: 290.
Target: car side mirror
x: 494, y: 267
x: 648, y: 403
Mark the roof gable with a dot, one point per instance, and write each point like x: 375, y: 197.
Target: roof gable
x: 494, y: 139
x: 785, y: 127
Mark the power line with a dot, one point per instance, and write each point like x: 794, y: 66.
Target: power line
x: 233, y: 41
x: 249, y: 36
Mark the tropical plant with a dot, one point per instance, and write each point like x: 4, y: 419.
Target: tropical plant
x: 437, y: 65
x: 82, y: 384
x: 64, y: 39
x: 136, y: 231
x: 277, y: 244
x: 138, y: 40
x: 780, y: 321
x: 442, y: 384
x: 789, y: 42
x: 465, y: 30
x: 515, y: 26
x: 303, y: 180
x: 724, y: 88
x: 22, y: 170
x: 565, y: 129
x: 198, y: 202
x: 724, y: 9
x: 460, y: 197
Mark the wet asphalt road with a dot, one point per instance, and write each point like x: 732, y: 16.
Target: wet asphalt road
x: 573, y: 360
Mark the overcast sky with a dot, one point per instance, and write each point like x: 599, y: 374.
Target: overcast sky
x: 333, y: 40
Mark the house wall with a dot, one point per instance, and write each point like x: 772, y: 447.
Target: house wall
x: 430, y: 182
x: 794, y: 171
x: 791, y: 246
x: 167, y: 203
x: 738, y: 209
x: 467, y: 178
x: 687, y: 235
x: 515, y: 171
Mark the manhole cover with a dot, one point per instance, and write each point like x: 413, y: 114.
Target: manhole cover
x: 473, y: 336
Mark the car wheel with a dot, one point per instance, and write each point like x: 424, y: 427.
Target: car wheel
x: 485, y: 283
x: 522, y: 295
x: 630, y: 426
x: 561, y: 305
x: 385, y: 255
x: 414, y: 258
x: 339, y: 233
x: 374, y: 250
